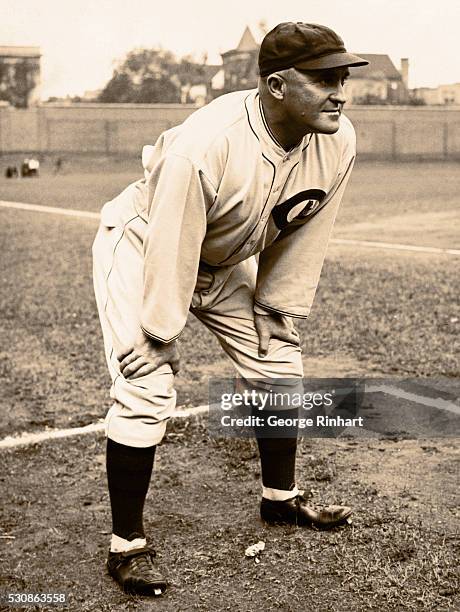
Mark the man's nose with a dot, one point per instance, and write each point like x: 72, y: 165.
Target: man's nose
x: 339, y: 94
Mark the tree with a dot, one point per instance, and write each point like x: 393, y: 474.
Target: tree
x: 145, y: 75
x: 18, y: 79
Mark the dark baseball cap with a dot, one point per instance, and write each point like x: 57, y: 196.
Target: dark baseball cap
x: 307, y: 46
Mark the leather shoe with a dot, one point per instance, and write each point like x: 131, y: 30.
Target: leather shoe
x: 296, y: 511
x: 135, y: 572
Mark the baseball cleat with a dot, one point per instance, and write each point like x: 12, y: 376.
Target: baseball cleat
x: 135, y: 572
x: 296, y: 511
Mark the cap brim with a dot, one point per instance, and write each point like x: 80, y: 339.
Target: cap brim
x: 335, y: 60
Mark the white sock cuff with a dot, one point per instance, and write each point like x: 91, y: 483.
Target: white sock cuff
x: 279, y: 494
x: 121, y: 545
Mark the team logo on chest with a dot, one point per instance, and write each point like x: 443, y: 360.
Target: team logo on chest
x: 299, y: 206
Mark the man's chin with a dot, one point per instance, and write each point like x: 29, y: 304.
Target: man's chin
x: 328, y: 127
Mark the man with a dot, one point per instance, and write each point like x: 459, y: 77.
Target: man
x: 253, y: 173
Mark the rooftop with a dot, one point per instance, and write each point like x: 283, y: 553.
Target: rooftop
x: 247, y: 43
x: 20, y: 51
x: 380, y: 67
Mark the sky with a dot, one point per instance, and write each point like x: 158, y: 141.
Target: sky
x: 81, y: 40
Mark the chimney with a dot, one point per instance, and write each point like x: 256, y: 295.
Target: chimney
x: 405, y: 71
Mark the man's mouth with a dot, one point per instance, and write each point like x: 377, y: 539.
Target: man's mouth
x: 332, y: 111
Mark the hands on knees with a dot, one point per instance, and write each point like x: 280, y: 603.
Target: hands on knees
x: 274, y: 326
x: 146, y: 356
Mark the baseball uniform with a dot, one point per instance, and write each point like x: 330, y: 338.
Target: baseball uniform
x: 218, y: 191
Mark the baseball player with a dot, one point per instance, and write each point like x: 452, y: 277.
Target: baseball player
x: 259, y: 172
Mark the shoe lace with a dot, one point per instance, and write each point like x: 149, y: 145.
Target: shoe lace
x: 143, y: 562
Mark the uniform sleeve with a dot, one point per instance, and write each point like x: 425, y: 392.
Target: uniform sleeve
x: 290, y: 268
x: 179, y: 195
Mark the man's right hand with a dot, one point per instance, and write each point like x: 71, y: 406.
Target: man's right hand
x: 146, y: 356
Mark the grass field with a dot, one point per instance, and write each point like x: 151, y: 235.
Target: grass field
x: 376, y: 313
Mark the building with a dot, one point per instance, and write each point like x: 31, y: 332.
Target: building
x: 379, y: 82
x: 20, y: 75
x: 449, y: 94
x: 426, y: 95
x: 240, y: 64
x: 442, y: 95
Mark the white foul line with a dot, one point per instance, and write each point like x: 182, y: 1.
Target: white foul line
x: 84, y: 214
x: 25, y: 438
x: 395, y: 246
x: 431, y: 402
x: 52, y: 434
x: 69, y: 212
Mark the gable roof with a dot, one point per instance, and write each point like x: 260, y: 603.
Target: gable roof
x: 380, y: 67
x: 247, y: 42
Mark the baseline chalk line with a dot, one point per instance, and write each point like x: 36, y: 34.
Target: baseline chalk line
x: 431, y: 402
x: 395, y: 246
x: 26, y: 438
x: 54, y: 210
x: 84, y: 214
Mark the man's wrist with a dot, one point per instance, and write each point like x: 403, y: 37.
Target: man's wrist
x: 155, y: 339
x: 261, y: 311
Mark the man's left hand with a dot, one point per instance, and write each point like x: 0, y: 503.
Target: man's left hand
x: 274, y: 326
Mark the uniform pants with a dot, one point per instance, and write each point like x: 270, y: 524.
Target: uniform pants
x: 223, y: 301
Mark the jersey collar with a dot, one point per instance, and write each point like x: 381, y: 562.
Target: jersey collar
x: 270, y: 145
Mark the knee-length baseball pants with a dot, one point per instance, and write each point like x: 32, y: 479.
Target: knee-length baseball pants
x: 223, y: 301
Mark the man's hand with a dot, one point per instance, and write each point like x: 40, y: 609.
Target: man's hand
x: 274, y: 326
x: 146, y: 356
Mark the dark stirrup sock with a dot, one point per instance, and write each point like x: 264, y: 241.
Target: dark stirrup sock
x: 277, y: 454
x: 277, y: 460
x: 128, y: 475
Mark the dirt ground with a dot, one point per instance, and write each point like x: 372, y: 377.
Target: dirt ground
x: 400, y: 552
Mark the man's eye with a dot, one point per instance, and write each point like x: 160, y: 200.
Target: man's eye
x: 332, y: 81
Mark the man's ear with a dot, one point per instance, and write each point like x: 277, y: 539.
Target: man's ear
x: 276, y: 85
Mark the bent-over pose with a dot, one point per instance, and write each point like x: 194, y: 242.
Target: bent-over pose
x: 258, y: 172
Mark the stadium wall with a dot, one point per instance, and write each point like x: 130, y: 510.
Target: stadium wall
x: 399, y: 133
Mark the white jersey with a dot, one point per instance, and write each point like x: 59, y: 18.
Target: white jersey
x: 218, y: 190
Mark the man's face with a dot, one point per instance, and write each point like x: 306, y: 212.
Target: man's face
x: 314, y: 99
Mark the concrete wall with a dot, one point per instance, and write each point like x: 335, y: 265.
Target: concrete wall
x: 383, y: 132
x: 406, y: 132
x: 87, y: 128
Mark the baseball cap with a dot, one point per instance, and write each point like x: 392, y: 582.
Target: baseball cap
x: 306, y: 46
